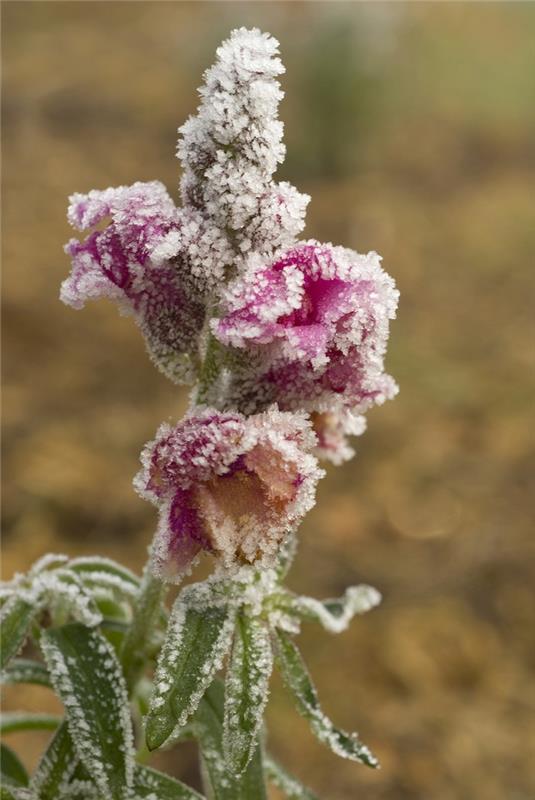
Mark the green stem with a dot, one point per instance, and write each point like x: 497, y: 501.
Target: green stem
x: 146, y: 613
x: 209, y: 369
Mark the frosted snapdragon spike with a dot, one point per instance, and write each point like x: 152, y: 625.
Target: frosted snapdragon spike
x: 231, y: 148
x: 315, y: 326
x: 229, y: 485
x: 116, y: 261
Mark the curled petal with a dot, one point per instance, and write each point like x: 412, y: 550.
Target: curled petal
x: 229, y: 485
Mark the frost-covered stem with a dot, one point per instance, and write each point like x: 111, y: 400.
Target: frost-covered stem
x: 209, y: 369
x: 145, y: 615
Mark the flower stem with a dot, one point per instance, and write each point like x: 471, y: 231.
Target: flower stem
x: 209, y: 370
x: 146, y: 612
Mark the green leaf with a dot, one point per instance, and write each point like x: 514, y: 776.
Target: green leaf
x: 10, y: 792
x: 297, y: 679
x: 15, y: 721
x: 87, y: 676
x: 104, y: 577
x: 288, y: 784
x: 24, y: 670
x: 196, y: 642
x: 335, y: 615
x: 15, y: 619
x: 147, y: 611
x: 246, y: 690
x: 150, y: 783
x: 208, y: 724
x: 81, y: 790
x: 11, y: 768
x: 56, y: 767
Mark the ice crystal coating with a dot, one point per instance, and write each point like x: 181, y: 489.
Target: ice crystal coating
x: 130, y: 261
x: 229, y: 485
x: 315, y: 326
x: 333, y: 429
x: 231, y: 148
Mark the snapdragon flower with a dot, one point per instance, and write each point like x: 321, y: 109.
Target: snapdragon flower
x: 158, y: 262
x: 229, y: 485
x: 313, y: 327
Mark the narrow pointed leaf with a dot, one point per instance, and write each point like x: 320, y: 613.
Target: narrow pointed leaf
x: 147, y: 611
x: 246, y: 690
x: 290, y: 786
x: 335, y: 615
x: 81, y: 790
x: 87, y: 676
x: 64, y: 594
x: 11, y: 769
x: 196, y: 642
x: 56, y: 766
x: 24, y: 670
x: 105, y: 573
x: 12, y: 792
x: 16, y: 721
x: 149, y: 783
x: 15, y: 620
x: 208, y: 722
x: 297, y: 679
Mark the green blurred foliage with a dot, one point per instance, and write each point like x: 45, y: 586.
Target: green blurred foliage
x: 413, y: 127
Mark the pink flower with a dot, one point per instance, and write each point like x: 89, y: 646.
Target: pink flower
x: 116, y: 261
x: 314, y: 326
x: 332, y: 429
x: 229, y: 485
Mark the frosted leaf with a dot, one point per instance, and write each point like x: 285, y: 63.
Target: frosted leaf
x: 17, y: 793
x: 86, y: 566
x: 47, y: 562
x: 335, y: 615
x: 87, y: 677
x: 297, y: 679
x: 246, y: 690
x: 56, y: 767
x: 195, y: 645
x: 290, y: 786
x: 149, y: 784
x: 63, y: 593
x: 16, y: 616
x: 12, y: 771
x: 13, y: 721
x: 115, y: 585
x: 80, y: 790
x: 208, y: 724
x: 23, y: 670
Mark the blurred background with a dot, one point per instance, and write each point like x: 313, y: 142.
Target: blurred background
x: 413, y: 128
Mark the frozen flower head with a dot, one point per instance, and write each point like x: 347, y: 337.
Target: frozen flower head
x: 229, y: 485
x: 121, y: 258
x: 231, y: 148
x: 316, y: 324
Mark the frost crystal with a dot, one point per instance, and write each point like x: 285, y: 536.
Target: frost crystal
x: 315, y: 326
x: 231, y: 148
x: 228, y: 484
